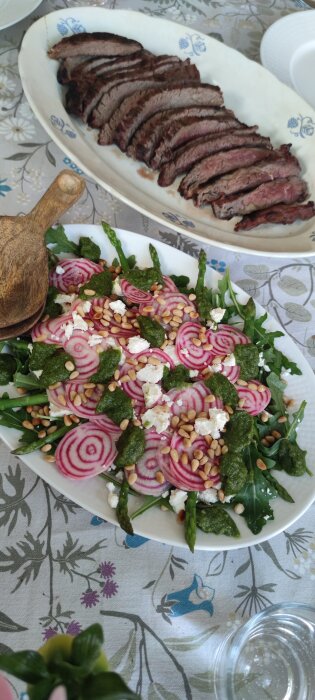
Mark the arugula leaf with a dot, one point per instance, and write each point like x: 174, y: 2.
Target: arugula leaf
x: 181, y: 282
x: 281, y: 491
x: 61, y: 244
x: 26, y: 381
x: 13, y: 419
x: 297, y: 419
x: 277, y: 387
x: 89, y: 249
x: 256, y: 494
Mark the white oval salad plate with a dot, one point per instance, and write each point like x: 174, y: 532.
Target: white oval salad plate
x: 156, y: 524
x: 288, y: 50
x: 13, y: 11
x: 253, y: 93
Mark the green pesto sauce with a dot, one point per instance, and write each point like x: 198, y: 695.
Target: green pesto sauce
x: 89, y: 249
x: 247, y: 357
x: 55, y: 370
x: 7, y: 368
x: 151, y: 330
x: 239, y: 431
x: 109, y: 361
x: 143, y: 279
x: 175, y: 378
x: 41, y: 352
x: 102, y: 284
x: 233, y: 469
x: 215, y: 519
x: 291, y: 458
x: 220, y: 386
x: 130, y: 446
x: 116, y: 404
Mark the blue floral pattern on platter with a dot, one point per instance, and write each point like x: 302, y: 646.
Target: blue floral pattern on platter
x: 301, y: 126
x: 73, y: 166
x: 178, y: 219
x: 65, y: 128
x: 192, y: 44
x: 70, y: 26
x: 218, y: 265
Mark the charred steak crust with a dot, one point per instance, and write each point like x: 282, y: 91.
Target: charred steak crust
x: 94, y: 44
x: 279, y: 214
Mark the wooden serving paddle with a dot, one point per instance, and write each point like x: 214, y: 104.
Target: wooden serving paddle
x: 23, y: 255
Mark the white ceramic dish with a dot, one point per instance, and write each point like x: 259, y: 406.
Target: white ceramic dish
x: 13, y: 11
x: 288, y: 50
x: 162, y: 526
x: 255, y: 95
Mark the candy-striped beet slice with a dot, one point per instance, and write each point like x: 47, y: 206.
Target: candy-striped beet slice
x: 95, y: 314
x: 85, y: 451
x: 231, y: 373
x: 254, y: 397
x: 102, y: 421
x: 191, y: 355
x: 179, y: 473
x: 76, y: 271
x: 132, y: 293
x: 133, y: 388
x: 157, y: 354
x: 171, y: 303
x: 85, y: 357
x: 169, y: 285
x: 223, y: 340
x: 151, y: 462
x: 57, y: 396
x: 51, y: 331
x: 87, y: 407
x: 191, y: 398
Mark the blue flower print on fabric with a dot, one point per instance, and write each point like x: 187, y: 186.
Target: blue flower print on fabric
x: 70, y: 26
x: 187, y: 600
x: 301, y: 126
x: 134, y: 541
x: 95, y: 520
x: 218, y: 265
x: 62, y: 126
x: 73, y: 166
x: 4, y: 188
x: 192, y: 44
x: 177, y: 219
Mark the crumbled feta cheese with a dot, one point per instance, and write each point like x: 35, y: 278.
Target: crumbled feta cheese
x: 65, y: 298
x: 112, y: 498
x: 284, y: 375
x: 171, y: 352
x: 208, y: 496
x: 152, y: 393
x: 167, y: 399
x: 227, y: 499
x: 86, y: 306
x: 37, y: 372
x: 158, y: 418
x: 118, y: 307
x: 179, y: 402
x: 59, y: 270
x: 229, y: 360
x: 117, y: 287
x: 95, y: 339
x: 137, y: 344
x: 212, y: 425
x: 30, y: 347
x: 77, y: 324
x: 185, y: 352
x: 150, y: 373
x: 217, y: 314
x: 262, y: 363
x: 177, y: 500
x: 57, y: 412
x: 193, y: 373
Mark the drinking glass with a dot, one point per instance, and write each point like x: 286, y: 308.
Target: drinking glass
x: 271, y: 657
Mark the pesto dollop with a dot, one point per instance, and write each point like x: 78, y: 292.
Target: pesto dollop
x: 215, y: 519
x: 7, y: 368
x: 233, y: 469
x: 291, y: 458
x: 55, y: 370
x: 116, y: 404
x: 178, y: 377
x: 247, y: 357
x: 109, y: 361
x: 130, y: 446
x: 102, y: 284
x: 151, y: 330
x: 239, y: 431
x: 220, y: 386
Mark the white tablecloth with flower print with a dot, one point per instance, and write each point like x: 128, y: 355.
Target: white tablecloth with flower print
x: 163, y: 609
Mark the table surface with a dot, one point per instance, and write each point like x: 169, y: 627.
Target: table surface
x: 164, y: 610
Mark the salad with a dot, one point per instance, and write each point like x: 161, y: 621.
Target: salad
x: 166, y: 390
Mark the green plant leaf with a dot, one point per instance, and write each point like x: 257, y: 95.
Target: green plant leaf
x: 86, y: 646
x: 61, y: 243
x: 107, y: 686
x: 28, y: 666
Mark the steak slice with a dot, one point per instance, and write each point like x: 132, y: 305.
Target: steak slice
x: 248, y: 178
x: 163, y: 69
x: 185, y: 157
x: 219, y: 164
x: 94, y: 44
x: 189, y: 129
x: 134, y: 110
x: 279, y: 214
x: 80, y: 67
x: 151, y: 131
x: 287, y: 191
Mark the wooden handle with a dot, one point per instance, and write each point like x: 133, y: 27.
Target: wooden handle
x: 60, y: 196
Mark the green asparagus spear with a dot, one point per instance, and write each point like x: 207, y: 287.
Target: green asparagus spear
x: 26, y: 400
x: 114, y: 240
x: 122, y: 508
x: 52, y: 437
x: 190, y: 520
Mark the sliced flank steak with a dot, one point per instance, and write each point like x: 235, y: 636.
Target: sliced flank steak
x: 92, y: 68
x: 274, y: 168
x: 219, y: 164
x: 279, y: 214
x: 144, y: 141
x: 287, y: 191
x: 111, y: 95
x: 184, y: 158
x: 187, y: 130
x: 134, y: 110
x: 94, y: 44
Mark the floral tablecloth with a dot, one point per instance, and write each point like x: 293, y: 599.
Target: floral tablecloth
x: 163, y: 609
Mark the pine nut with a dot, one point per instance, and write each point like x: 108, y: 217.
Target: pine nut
x: 239, y: 508
x: 261, y: 465
x: 124, y: 424
x: 46, y: 448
